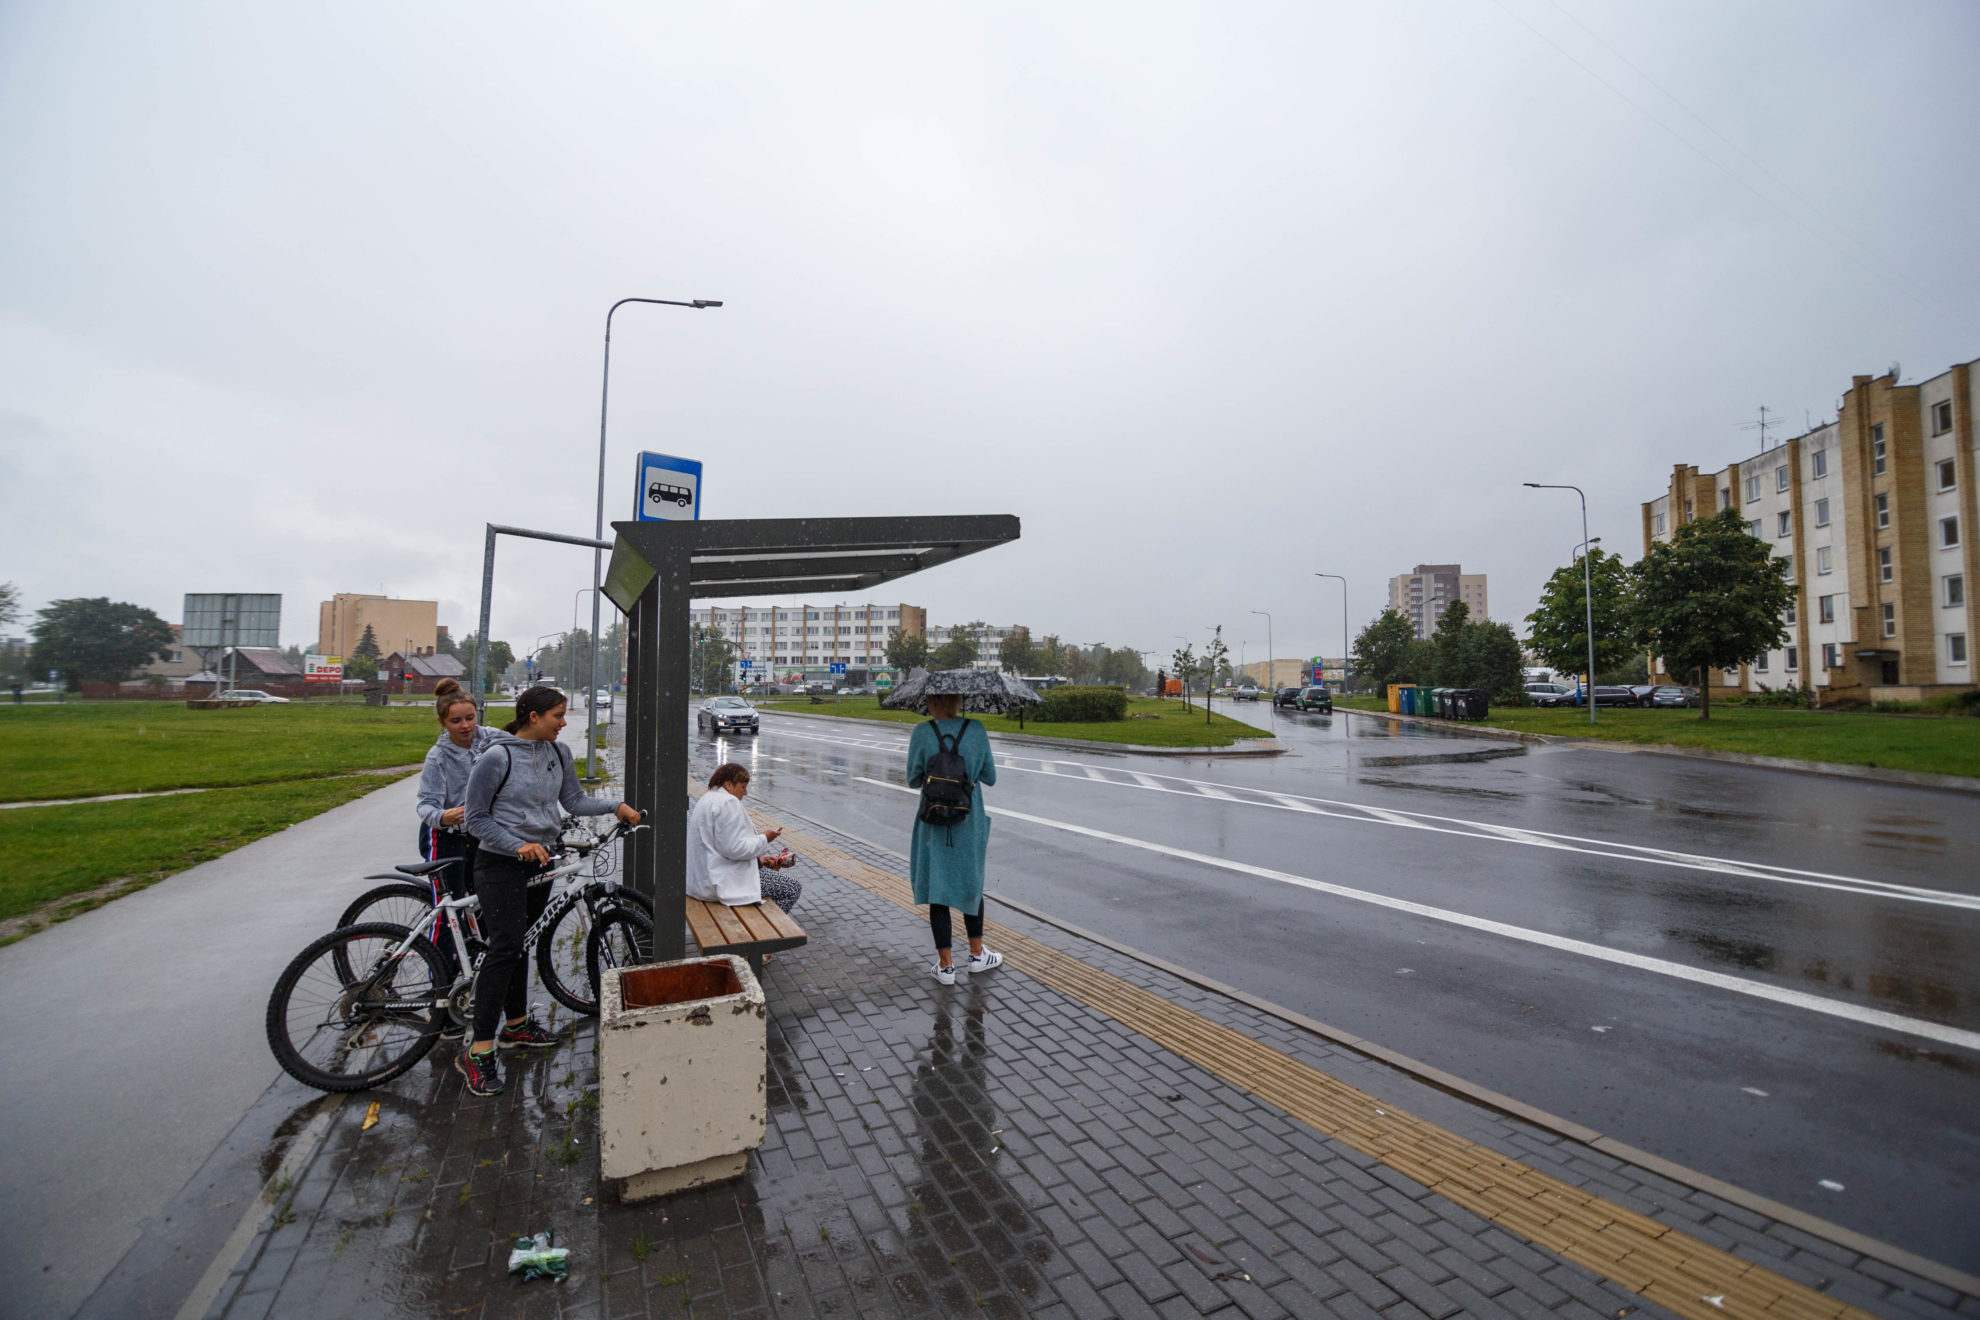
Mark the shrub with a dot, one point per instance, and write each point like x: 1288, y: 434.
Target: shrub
x: 1081, y: 705
x: 1791, y: 698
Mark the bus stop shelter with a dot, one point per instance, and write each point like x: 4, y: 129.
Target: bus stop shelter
x: 658, y: 568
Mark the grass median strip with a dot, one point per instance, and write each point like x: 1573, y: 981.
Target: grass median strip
x: 1151, y: 722
x: 101, y: 850
x: 1682, y: 1273
x: 1943, y: 746
x: 91, y: 749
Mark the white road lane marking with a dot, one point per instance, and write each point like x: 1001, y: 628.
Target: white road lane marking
x: 1484, y: 831
x: 1874, y: 1017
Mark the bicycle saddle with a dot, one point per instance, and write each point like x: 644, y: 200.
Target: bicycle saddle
x: 427, y: 868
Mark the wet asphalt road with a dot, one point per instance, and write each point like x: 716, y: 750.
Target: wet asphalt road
x: 1575, y: 897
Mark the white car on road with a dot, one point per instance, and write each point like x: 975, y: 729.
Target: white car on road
x: 252, y: 694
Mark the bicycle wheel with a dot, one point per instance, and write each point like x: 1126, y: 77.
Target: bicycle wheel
x: 405, y: 903
x: 562, y: 954
x: 621, y: 937
x: 340, y: 1033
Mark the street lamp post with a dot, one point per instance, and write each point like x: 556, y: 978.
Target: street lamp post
x: 1587, y: 592
x: 598, y: 534
x: 1347, y: 645
x: 537, y: 650
x: 1271, y: 672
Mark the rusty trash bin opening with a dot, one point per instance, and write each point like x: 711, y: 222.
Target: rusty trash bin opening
x: 654, y: 987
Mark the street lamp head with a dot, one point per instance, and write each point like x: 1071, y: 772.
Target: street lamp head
x: 1534, y: 484
x: 707, y: 302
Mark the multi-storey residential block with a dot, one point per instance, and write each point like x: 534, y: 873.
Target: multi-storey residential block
x: 792, y: 641
x: 1875, y: 514
x: 1423, y: 595
x: 988, y: 639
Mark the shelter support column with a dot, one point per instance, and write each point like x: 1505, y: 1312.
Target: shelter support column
x: 656, y: 749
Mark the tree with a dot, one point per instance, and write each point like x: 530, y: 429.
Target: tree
x: 1182, y: 662
x: 498, y: 660
x: 906, y: 650
x: 1050, y: 655
x: 714, y: 655
x: 294, y: 655
x: 443, y: 644
x: 1448, y: 643
x: 1387, y: 651
x: 1017, y: 655
x: 1711, y: 597
x: 1216, y: 656
x: 368, y: 644
x: 360, y: 668
x: 10, y: 603
x: 97, y: 640
x: 1493, y: 659
x: 959, y: 652
x: 1558, y: 629
x: 1122, y: 667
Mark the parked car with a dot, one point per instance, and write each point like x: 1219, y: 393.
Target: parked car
x: 252, y: 694
x: 1613, y: 696
x: 726, y: 715
x: 1315, y: 698
x: 1286, y: 697
x: 1247, y: 693
x: 1552, y: 694
x: 603, y: 700
x: 1673, y: 696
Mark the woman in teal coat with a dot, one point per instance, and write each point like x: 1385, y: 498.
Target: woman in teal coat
x: 946, y: 862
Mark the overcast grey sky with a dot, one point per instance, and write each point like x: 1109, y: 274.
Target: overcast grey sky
x: 296, y: 298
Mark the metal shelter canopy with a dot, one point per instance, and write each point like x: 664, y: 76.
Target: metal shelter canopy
x: 659, y: 567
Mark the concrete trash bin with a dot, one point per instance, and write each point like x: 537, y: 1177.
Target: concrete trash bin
x: 681, y: 1065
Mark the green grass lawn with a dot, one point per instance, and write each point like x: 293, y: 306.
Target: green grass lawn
x: 87, y: 750
x: 1172, y: 725
x: 1946, y: 746
x: 53, y: 852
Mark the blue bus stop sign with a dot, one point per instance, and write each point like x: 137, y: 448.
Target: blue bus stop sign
x: 668, y: 490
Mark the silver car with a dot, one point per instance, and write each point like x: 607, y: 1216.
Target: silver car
x: 720, y: 715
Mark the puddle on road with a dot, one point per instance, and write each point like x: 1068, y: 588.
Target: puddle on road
x: 1896, y: 1049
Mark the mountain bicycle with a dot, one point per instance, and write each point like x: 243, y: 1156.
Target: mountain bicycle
x: 562, y: 957
x: 366, y: 1002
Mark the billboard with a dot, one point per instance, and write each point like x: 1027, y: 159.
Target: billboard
x: 323, y: 668
x: 232, y: 619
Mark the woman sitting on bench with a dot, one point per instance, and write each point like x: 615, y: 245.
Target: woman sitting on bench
x: 728, y: 861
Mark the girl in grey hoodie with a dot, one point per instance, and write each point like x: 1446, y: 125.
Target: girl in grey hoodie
x: 443, y: 783
x: 514, y: 793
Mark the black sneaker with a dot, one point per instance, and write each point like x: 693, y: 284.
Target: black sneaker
x: 484, y: 1076
x: 529, y: 1034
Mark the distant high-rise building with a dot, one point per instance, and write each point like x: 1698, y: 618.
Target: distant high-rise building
x: 1422, y: 596
x: 410, y: 626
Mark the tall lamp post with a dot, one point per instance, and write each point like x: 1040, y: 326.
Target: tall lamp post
x: 1271, y: 672
x: 598, y: 534
x: 1347, y: 644
x: 1587, y: 592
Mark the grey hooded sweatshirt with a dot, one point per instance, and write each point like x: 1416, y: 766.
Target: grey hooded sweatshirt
x: 516, y: 788
x: 443, y: 779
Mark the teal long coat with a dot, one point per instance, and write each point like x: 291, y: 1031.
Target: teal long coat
x: 946, y: 862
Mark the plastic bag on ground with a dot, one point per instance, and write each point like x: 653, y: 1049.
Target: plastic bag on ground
x: 535, y: 1258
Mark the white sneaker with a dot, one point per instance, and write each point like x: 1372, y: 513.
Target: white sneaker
x: 946, y: 975
x: 986, y: 961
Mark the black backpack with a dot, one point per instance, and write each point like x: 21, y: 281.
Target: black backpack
x: 946, y: 792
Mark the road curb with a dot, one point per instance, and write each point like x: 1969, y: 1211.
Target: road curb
x: 1250, y: 747
x: 1831, y: 769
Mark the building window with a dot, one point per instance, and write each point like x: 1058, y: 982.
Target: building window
x: 1825, y: 609
x: 1793, y: 659
x: 1890, y: 620
x: 1725, y: 497
x: 1821, y: 513
x: 1657, y: 524
x: 1955, y: 589
x: 1687, y: 510
x: 1831, y: 656
x: 1956, y: 648
x: 1789, y: 575
x: 1781, y: 477
x: 1884, y: 563
x: 1760, y: 663
x: 1946, y: 477
x: 1877, y: 450
x: 1823, y: 563
x: 1942, y: 417
x: 1883, y: 503
x: 1782, y: 525
x: 1753, y: 529
x: 1819, y: 462
x: 1789, y: 616
x: 1948, y: 533
x: 1752, y: 489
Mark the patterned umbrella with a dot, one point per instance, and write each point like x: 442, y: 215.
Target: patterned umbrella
x: 984, y: 691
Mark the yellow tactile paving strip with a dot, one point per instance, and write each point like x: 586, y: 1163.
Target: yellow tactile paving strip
x: 1679, y: 1273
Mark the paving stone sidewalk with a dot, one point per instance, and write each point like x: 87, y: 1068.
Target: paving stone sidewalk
x: 993, y: 1147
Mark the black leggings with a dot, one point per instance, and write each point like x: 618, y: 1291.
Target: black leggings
x: 509, y: 906
x: 938, y: 921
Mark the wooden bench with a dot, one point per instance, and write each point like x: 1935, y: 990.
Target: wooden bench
x: 751, y: 930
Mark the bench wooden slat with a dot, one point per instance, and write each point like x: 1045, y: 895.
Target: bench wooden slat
x: 753, y: 919
x: 733, y: 931
x: 701, y: 922
x: 780, y: 921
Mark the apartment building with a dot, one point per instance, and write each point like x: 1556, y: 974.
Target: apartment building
x: 1423, y: 595
x: 411, y: 626
x: 988, y: 640
x: 806, y: 640
x: 1875, y: 514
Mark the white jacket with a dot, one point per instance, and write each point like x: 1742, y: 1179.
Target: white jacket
x: 722, y: 848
